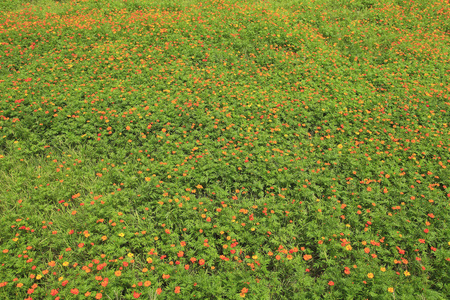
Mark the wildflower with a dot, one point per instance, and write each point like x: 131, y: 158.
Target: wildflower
x: 177, y: 290
x: 307, y: 257
x: 391, y: 290
x: 121, y: 234
x: 330, y: 283
x: 370, y: 275
x: 74, y: 291
x: 98, y: 296
x: 383, y: 269
x: 348, y: 248
x: 117, y: 273
x: 136, y: 294
x: 406, y: 273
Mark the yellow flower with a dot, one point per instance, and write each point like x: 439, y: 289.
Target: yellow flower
x: 121, y: 234
x: 130, y: 255
x: 38, y: 276
x: 370, y: 275
x: 65, y: 264
x: 391, y: 290
x: 348, y: 247
x: 383, y: 269
x: 406, y: 273
x: 340, y: 146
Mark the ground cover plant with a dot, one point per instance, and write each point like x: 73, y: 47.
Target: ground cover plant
x: 224, y: 149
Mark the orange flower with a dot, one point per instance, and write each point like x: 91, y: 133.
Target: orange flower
x: 117, y: 273
x: 74, y: 291
x: 307, y: 257
x: 98, y: 296
x: 177, y: 290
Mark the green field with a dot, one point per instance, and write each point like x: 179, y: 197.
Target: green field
x: 224, y: 149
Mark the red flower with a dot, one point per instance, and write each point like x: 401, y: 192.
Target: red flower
x: 54, y: 292
x: 425, y: 230
x: 136, y: 294
x: 330, y: 283
x: 177, y: 290
x: 74, y: 291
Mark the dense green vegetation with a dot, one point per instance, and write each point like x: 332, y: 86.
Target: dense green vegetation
x: 224, y: 149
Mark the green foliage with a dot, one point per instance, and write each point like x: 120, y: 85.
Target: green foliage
x: 224, y: 149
